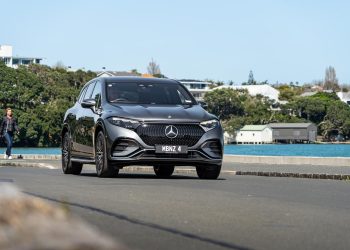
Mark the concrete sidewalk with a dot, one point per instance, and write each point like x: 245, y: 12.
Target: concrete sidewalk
x: 235, y: 168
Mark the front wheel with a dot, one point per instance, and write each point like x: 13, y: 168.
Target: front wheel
x: 208, y: 172
x: 104, y: 167
x: 68, y: 166
x: 163, y: 171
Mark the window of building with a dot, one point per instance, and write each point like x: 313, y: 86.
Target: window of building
x: 6, y: 60
x: 25, y: 62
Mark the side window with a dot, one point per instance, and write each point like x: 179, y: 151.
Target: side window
x: 81, y: 96
x: 183, y: 95
x: 89, y: 90
x: 96, y: 94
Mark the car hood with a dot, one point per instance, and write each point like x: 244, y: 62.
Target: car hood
x: 189, y: 113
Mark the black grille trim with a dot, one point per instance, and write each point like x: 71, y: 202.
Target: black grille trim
x: 154, y: 134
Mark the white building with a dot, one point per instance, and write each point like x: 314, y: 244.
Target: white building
x: 115, y: 73
x: 7, y: 57
x: 344, y: 96
x: 197, y: 88
x: 254, y: 90
x: 254, y: 134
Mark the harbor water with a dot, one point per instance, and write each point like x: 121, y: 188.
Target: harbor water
x: 312, y: 150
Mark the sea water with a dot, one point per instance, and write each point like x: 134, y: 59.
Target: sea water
x: 316, y: 150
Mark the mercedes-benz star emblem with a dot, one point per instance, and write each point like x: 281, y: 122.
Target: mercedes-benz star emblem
x: 171, y: 131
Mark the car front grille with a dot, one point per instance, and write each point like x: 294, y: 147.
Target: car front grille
x: 154, y: 134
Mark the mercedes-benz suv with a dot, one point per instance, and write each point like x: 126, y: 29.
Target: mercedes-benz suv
x: 122, y: 121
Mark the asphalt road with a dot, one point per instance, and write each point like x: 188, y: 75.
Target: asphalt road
x: 234, y: 212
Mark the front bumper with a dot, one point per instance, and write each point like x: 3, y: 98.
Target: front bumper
x: 125, y: 148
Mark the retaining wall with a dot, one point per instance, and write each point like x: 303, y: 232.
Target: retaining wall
x: 289, y: 160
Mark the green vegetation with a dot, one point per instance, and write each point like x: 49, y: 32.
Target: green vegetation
x: 236, y: 108
x: 288, y: 92
x: 40, y: 96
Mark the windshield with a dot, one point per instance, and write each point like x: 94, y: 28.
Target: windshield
x: 148, y: 93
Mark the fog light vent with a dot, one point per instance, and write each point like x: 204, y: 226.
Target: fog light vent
x: 212, y: 148
x: 124, y: 147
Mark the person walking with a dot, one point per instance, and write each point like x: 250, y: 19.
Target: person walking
x: 8, y: 127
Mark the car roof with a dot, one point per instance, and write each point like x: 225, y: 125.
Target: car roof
x: 137, y: 79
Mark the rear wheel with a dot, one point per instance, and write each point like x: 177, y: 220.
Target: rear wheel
x: 104, y: 167
x: 163, y: 171
x: 208, y: 172
x: 68, y: 166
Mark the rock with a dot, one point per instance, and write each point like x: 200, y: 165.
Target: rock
x: 29, y: 223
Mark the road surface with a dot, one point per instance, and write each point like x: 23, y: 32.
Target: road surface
x: 234, y: 212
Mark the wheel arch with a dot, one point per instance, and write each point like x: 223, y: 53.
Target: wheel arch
x: 99, y: 127
x: 64, y: 130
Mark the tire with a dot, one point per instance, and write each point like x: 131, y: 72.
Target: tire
x: 163, y: 171
x: 208, y: 172
x: 104, y: 167
x: 68, y: 166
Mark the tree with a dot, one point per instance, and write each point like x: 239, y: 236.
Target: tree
x: 153, y: 68
x: 135, y: 71
x: 40, y: 95
x: 224, y: 103
x: 331, y: 80
x: 251, y: 80
x: 237, y: 108
x: 288, y: 93
x: 336, y: 119
x: 59, y: 65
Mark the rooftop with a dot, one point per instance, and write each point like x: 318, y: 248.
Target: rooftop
x: 253, y: 128
x: 262, y: 89
x: 290, y: 125
x: 116, y: 73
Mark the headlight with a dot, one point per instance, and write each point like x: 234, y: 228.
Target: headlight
x: 124, y: 123
x: 209, y: 125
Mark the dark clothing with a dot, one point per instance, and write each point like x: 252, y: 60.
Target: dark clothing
x: 8, y: 125
x: 7, y: 128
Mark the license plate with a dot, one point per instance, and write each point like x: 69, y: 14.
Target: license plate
x: 170, y: 149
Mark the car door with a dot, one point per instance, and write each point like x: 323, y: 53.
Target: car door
x: 90, y: 118
x: 82, y: 145
x: 73, y: 121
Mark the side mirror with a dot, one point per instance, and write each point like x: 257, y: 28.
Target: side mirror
x: 88, y: 103
x: 203, y: 104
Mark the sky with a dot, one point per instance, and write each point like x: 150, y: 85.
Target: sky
x: 280, y: 41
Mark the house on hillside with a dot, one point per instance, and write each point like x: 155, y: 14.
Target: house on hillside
x: 254, y: 134
x: 6, y: 55
x: 197, y: 88
x: 344, y: 96
x: 115, y: 73
x: 254, y: 90
x: 293, y: 132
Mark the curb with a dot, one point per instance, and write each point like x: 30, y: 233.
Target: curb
x: 345, y: 177
x: 25, y: 164
x: 37, y: 157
